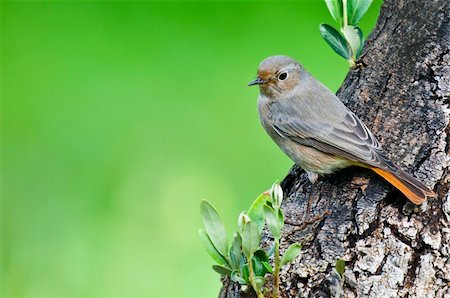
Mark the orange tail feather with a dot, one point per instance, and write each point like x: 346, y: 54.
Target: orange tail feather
x: 415, y: 191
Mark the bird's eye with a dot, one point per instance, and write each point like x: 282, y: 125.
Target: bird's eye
x: 283, y: 76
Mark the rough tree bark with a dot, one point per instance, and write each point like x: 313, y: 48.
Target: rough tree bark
x: 391, y: 248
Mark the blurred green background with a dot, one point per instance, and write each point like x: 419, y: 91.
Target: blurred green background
x: 118, y: 118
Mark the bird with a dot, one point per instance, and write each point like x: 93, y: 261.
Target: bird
x: 318, y: 132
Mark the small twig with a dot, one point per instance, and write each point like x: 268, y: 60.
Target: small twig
x: 276, y: 286
x: 252, y: 278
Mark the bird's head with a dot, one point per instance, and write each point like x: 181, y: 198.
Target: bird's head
x: 278, y: 75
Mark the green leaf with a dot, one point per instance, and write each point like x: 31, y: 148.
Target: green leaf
x: 335, y: 8
x: 250, y: 239
x: 356, y: 10
x: 212, y: 251
x: 280, y: 219
x: 242, y: 220
x: 361, y: 38
x: 260, y: 262
x: 243, y: 261
x: 263, y: 258
x: 261, y: 255
x: 335, y: 40
x: 353, y: 38
x: 245, y: 273
x: 291, y: 253
x: 267, y: 266
x: 272, y: 222
x: 340, y: 267
x: 235, y: 251
x: 258, y: 267
x: 221, y: 270
x: 237, y: 278
x: 256, y: 211
x: 214, y: 227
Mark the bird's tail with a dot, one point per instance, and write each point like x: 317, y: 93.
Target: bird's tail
x: 413, y: 189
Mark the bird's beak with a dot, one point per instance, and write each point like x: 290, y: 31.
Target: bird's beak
x: 258, y: 81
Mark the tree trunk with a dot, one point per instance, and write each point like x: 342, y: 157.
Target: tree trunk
x: 391, y: 247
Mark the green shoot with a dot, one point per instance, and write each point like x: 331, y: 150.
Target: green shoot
x: 348, y: 41
x: 244, y: 261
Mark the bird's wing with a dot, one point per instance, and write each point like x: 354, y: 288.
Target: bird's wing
x: 351, y: 139
x: 348, y: 138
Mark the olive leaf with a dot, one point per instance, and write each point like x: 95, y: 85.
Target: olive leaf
x: 221, y: 270
x: 280, y: 219
x: 235, y: 251
x: 214, y: 227
x: 245, y: 273
x: 335, y: 8
x: 361, y: 38
x: 256, y: 212
x: 258, y: 267
x: 250, y: 239
x: 353, y: 38
x: 272, y: 221
x: 291, y: 253
x: 261, y: 263
x: 335, y: 40
x: 261, y: 255
x: 242, y: 220
x: 356, y: 10
x: 212, y: 251
x: 267, y: 266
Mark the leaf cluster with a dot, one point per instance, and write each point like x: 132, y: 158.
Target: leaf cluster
x: 348, y: 41
x: 244, y: 261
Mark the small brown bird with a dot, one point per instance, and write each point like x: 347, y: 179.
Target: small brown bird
x: 317, y: 131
